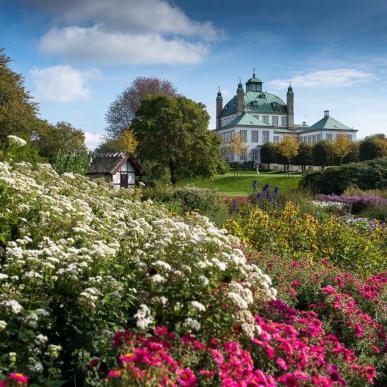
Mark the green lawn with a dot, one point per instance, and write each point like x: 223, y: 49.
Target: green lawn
x: 242, y: 185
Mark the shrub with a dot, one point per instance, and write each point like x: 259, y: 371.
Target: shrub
x: 351, y: 309
x: 370, y: 174
x: 293, y: 233
x: 206, y: 201
x: 292, y: 352
x: 80, y: 260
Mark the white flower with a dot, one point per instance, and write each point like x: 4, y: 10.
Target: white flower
x: 198, y: 306
x: 3, y: 276
x: 14, y: 140
x: 192, y: 324
x: 204, y: 280
x: 13, y: 305
x: 3, y: 325
x: 41, y: 339
x: 141, y: 184
x: 157, y: 278
x: 143, y: 316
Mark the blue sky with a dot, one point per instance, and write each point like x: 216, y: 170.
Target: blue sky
x: 77, y: 56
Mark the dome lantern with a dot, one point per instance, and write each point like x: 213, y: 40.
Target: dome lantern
x: 254, y: 84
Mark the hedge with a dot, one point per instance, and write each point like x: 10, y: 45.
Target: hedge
x: 371, y: 174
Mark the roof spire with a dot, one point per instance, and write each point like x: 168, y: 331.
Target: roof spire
x: 219, y: 92
x: 253, y: 72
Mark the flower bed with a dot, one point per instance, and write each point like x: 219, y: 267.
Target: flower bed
x: 80, y: 261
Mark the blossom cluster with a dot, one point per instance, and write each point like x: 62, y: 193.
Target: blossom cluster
x: 82, y: 260
x: 293, y: 353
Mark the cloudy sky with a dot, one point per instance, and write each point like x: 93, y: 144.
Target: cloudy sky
x: 77, y: 55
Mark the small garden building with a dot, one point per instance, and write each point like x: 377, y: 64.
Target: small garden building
x: 120, y: 168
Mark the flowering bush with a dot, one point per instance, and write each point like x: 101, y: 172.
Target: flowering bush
x: 357, y: 203
x: 291, y: 353
x: 352, y: 310
x: 293, y: 233
x: 80, y: 260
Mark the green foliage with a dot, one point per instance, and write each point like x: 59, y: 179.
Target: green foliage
x: 180, y: 200
x: 365, y: 175
x: 373, y: 147
x: 173, y: 133
x: 18, y: 114
x: 305, y: 156
x: 268, y: 154
x: 322, y: 153
x: 54, y: 140
x: 76, y: 162
x: 296, y: 234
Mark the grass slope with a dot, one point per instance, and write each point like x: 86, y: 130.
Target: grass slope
x: 242, y: 185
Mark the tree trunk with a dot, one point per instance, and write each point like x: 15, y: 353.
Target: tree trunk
x: 172, y: 171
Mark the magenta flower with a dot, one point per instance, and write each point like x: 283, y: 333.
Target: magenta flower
x: 187, y: 378
x: 19, y: 378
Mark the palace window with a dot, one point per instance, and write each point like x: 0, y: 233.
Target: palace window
x: 276, y: 139
x: 329, y: 136
x: 265, y: 119
x: 243, y: 156
x: 254, y: 136
x: 284, y: 121
x: 274, y: 120
x: 318, y: 137
x: 243, y: 134
x: 265, y: 136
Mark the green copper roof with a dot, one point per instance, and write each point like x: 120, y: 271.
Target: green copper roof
x: 246, y: 119
x: 328, y: 123
x: 257, y: 102
x: 254, y: 80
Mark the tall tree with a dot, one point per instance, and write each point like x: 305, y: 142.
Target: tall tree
x: 173, y: 132
x: 304, y: 156
x: 18, y: 113
x: 288, y: 147
x: 238, y: 147
x: 342, y: 146
x: 60, y: 138
x: 373, y: 147
x: 123, y: 109
x: 322, y: 153
x: 268, y: 154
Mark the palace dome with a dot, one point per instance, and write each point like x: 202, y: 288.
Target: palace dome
x: 257, y: 102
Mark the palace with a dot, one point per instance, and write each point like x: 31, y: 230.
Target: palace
x: 262, y: 117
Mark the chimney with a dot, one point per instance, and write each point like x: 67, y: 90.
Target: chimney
x: 326, y: 113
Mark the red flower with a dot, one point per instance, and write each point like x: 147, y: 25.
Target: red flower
x: 187, y: 378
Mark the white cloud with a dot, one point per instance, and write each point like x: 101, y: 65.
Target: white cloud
x: 159, y: 16
x: 321, y: 78
x: 95, y: 45
x: 92, y: 140
x: 61, y: 83
x: 126, y: 32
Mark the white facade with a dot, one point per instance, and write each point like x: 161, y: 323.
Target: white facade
x: 125, y: 172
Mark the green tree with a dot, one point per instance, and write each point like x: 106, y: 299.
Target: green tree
x: 60, y: 138
x: 322, y: 153
x: 18, y: 113
x: 353, y: 155
x: 123, y: 109
x: 373, y: 147
x: 288, y: 147
x: 304, y: 156
x: 173, y: 132
x: 268, y: 154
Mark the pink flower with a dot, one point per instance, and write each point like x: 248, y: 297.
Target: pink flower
x: 114, y: 374
x: 20, y: 378
x: 295, y: 283
x: 161, y: 331
x: 293, y: 293
x: 205, y: 373
x: 282, y: 364
x: 329, y: 289
x: 187, y: 378
x: 358, y: 330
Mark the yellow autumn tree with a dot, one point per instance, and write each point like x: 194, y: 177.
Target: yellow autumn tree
x: 288, y: 147
x: 237, y: 146
x: 127, y: 141
x: 342, y: 146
